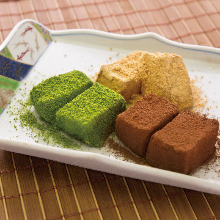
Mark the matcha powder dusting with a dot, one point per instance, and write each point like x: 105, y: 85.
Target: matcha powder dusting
x: 42, y: 130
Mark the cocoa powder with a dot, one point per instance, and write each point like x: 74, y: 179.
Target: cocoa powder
x: 117, y: 149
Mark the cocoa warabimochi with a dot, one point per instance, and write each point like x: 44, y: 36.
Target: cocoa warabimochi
x: 135, y: 126
x: 184, y: 143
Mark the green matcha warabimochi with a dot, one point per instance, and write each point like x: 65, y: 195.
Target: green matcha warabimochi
x: 91, y: 116
x: 53, y: 93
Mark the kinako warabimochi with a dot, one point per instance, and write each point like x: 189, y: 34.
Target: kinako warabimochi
x: 141, y: 73
x: 91, y: 116
x: 166, y: 75
x: 53, y: 93
x: 122, y: 76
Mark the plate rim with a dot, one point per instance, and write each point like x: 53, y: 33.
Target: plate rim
x: 165, y: 40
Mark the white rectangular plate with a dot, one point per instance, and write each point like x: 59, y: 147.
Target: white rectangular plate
x: 54, y: 52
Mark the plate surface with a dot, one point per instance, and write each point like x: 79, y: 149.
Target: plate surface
x: 32, y: 53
